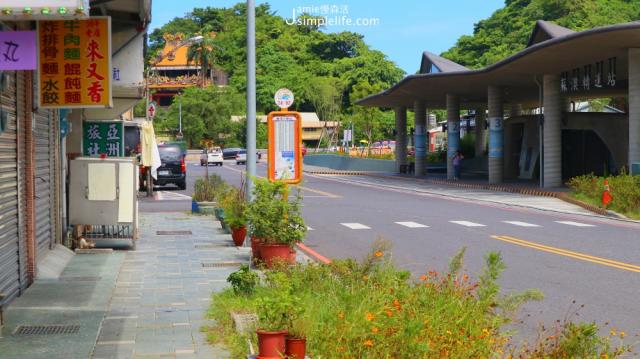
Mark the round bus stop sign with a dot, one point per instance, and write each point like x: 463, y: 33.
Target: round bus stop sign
x: 284, y: 98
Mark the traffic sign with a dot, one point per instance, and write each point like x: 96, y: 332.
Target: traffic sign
x: 151, y: 110
x: 284, y: 98
x: 285, y: 146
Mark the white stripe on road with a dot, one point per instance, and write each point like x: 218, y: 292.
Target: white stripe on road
x: 575, y: 224
x: 309, y: 228
x: 412, y: 224
x: 170, y: 196
x: 355, y: 226
x: 521, y: 224
x: 468, y: 224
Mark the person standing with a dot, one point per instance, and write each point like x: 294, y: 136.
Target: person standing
x: 457, y: 163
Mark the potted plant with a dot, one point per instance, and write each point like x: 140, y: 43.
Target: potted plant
x: 204, y: 194
x: 275, y: 220
x: 273, y: 315
x: 296, y: 340
x: 235, y: 206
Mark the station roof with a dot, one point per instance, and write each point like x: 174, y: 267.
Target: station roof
x: 552, y: 49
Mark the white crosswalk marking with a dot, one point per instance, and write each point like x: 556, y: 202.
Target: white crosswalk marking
x: 355, y: 226
x: 575, y: 224
x: 521, y: 224
x: 468, y: 224
x: 412, y: 224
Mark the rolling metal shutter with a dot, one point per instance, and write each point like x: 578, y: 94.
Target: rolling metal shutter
x: 44, y: 160
x: 11, y: 266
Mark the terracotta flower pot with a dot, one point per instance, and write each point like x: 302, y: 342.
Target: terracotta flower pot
x: 255, y: 247
x: 238, y: 235
x: 296, y: 348
x: 273, y: 252
x: 292, y: 256
x: 271, y: 344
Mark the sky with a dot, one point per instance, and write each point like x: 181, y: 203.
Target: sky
x: 402, y: 32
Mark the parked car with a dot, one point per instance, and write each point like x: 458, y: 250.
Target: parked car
x: 230, y: 153
x: 211, y: 157
x: 173, y: 169
x: 241, y: 157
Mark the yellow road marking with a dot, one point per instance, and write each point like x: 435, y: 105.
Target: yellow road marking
x: 323, y: 193
x: 571, y: 254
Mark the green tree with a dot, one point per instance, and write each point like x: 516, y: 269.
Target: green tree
x: 206, y: 115
x: 508, y: 29
x: 366, y: 120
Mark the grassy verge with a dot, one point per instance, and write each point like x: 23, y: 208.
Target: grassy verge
x: 372, y: 309
x: 624, y: 189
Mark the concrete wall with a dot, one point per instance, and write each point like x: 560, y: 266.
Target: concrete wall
x: 612, y: 128
x: 350, y: 163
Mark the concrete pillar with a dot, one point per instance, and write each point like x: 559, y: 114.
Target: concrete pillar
x: 453, y: 131
x: 401, y: 137
x: 634, y: 108
x: 496, y: 134
x: 554, y: 104
x: 481, y: 142
x: 420, y: 127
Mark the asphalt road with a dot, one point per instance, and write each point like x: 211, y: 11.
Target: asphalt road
x: 592, y: 261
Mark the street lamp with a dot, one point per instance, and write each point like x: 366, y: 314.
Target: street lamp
x: 251, y: 97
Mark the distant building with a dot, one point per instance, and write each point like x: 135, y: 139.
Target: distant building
x: 173, y: 72
x: 312, y: 127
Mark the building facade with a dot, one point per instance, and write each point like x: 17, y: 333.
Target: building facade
x: 528, y: 102
x: 36, y: 142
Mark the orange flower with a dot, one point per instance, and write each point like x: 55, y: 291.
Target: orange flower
x: 389, y: 313
x: 396, y: 304
x: 378, y: 254
x: 368, y: 343
x: 375, y: 330
x: 341, y: 315
x: 369, y: 316
x: 423, y: 277
x: 465, y: 277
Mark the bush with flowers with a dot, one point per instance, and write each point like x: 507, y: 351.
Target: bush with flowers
x: 372, y: 309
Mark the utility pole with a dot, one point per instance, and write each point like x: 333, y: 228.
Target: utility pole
x: 251, y: 97
x: 180, y: 116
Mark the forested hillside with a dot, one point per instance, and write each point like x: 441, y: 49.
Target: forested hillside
x: 508, y: 29
x: 301, y: 58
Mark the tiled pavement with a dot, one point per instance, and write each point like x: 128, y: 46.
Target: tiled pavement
x: 163, y: 289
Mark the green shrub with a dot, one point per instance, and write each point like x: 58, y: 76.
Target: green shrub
x: 235, y: 207
x: 273, y: 216
x: 208, y: 189
x: 243, y: 281
x: 624, y: 188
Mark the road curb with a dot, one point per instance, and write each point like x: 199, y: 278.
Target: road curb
x: 313, y: 254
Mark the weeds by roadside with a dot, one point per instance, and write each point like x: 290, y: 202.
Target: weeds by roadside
x: 371, y: 309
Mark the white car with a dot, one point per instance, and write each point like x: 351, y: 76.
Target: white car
x: 241, y: 157
x: 213, y: 157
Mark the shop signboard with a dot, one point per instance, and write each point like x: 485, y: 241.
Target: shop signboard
x: 75, y: 63
x: 103, y: 138
x: 18, y: 50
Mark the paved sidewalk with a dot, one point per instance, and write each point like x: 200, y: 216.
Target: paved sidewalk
x: 75, y: 302
x: 164, y: 289
x: 505, y: 198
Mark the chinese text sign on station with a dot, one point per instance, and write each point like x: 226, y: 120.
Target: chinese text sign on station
x: 103, y: 138
x: 285, y: 153
x: 75, y: 63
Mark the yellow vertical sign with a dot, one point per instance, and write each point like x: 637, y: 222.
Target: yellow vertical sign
x: 74, y: 65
